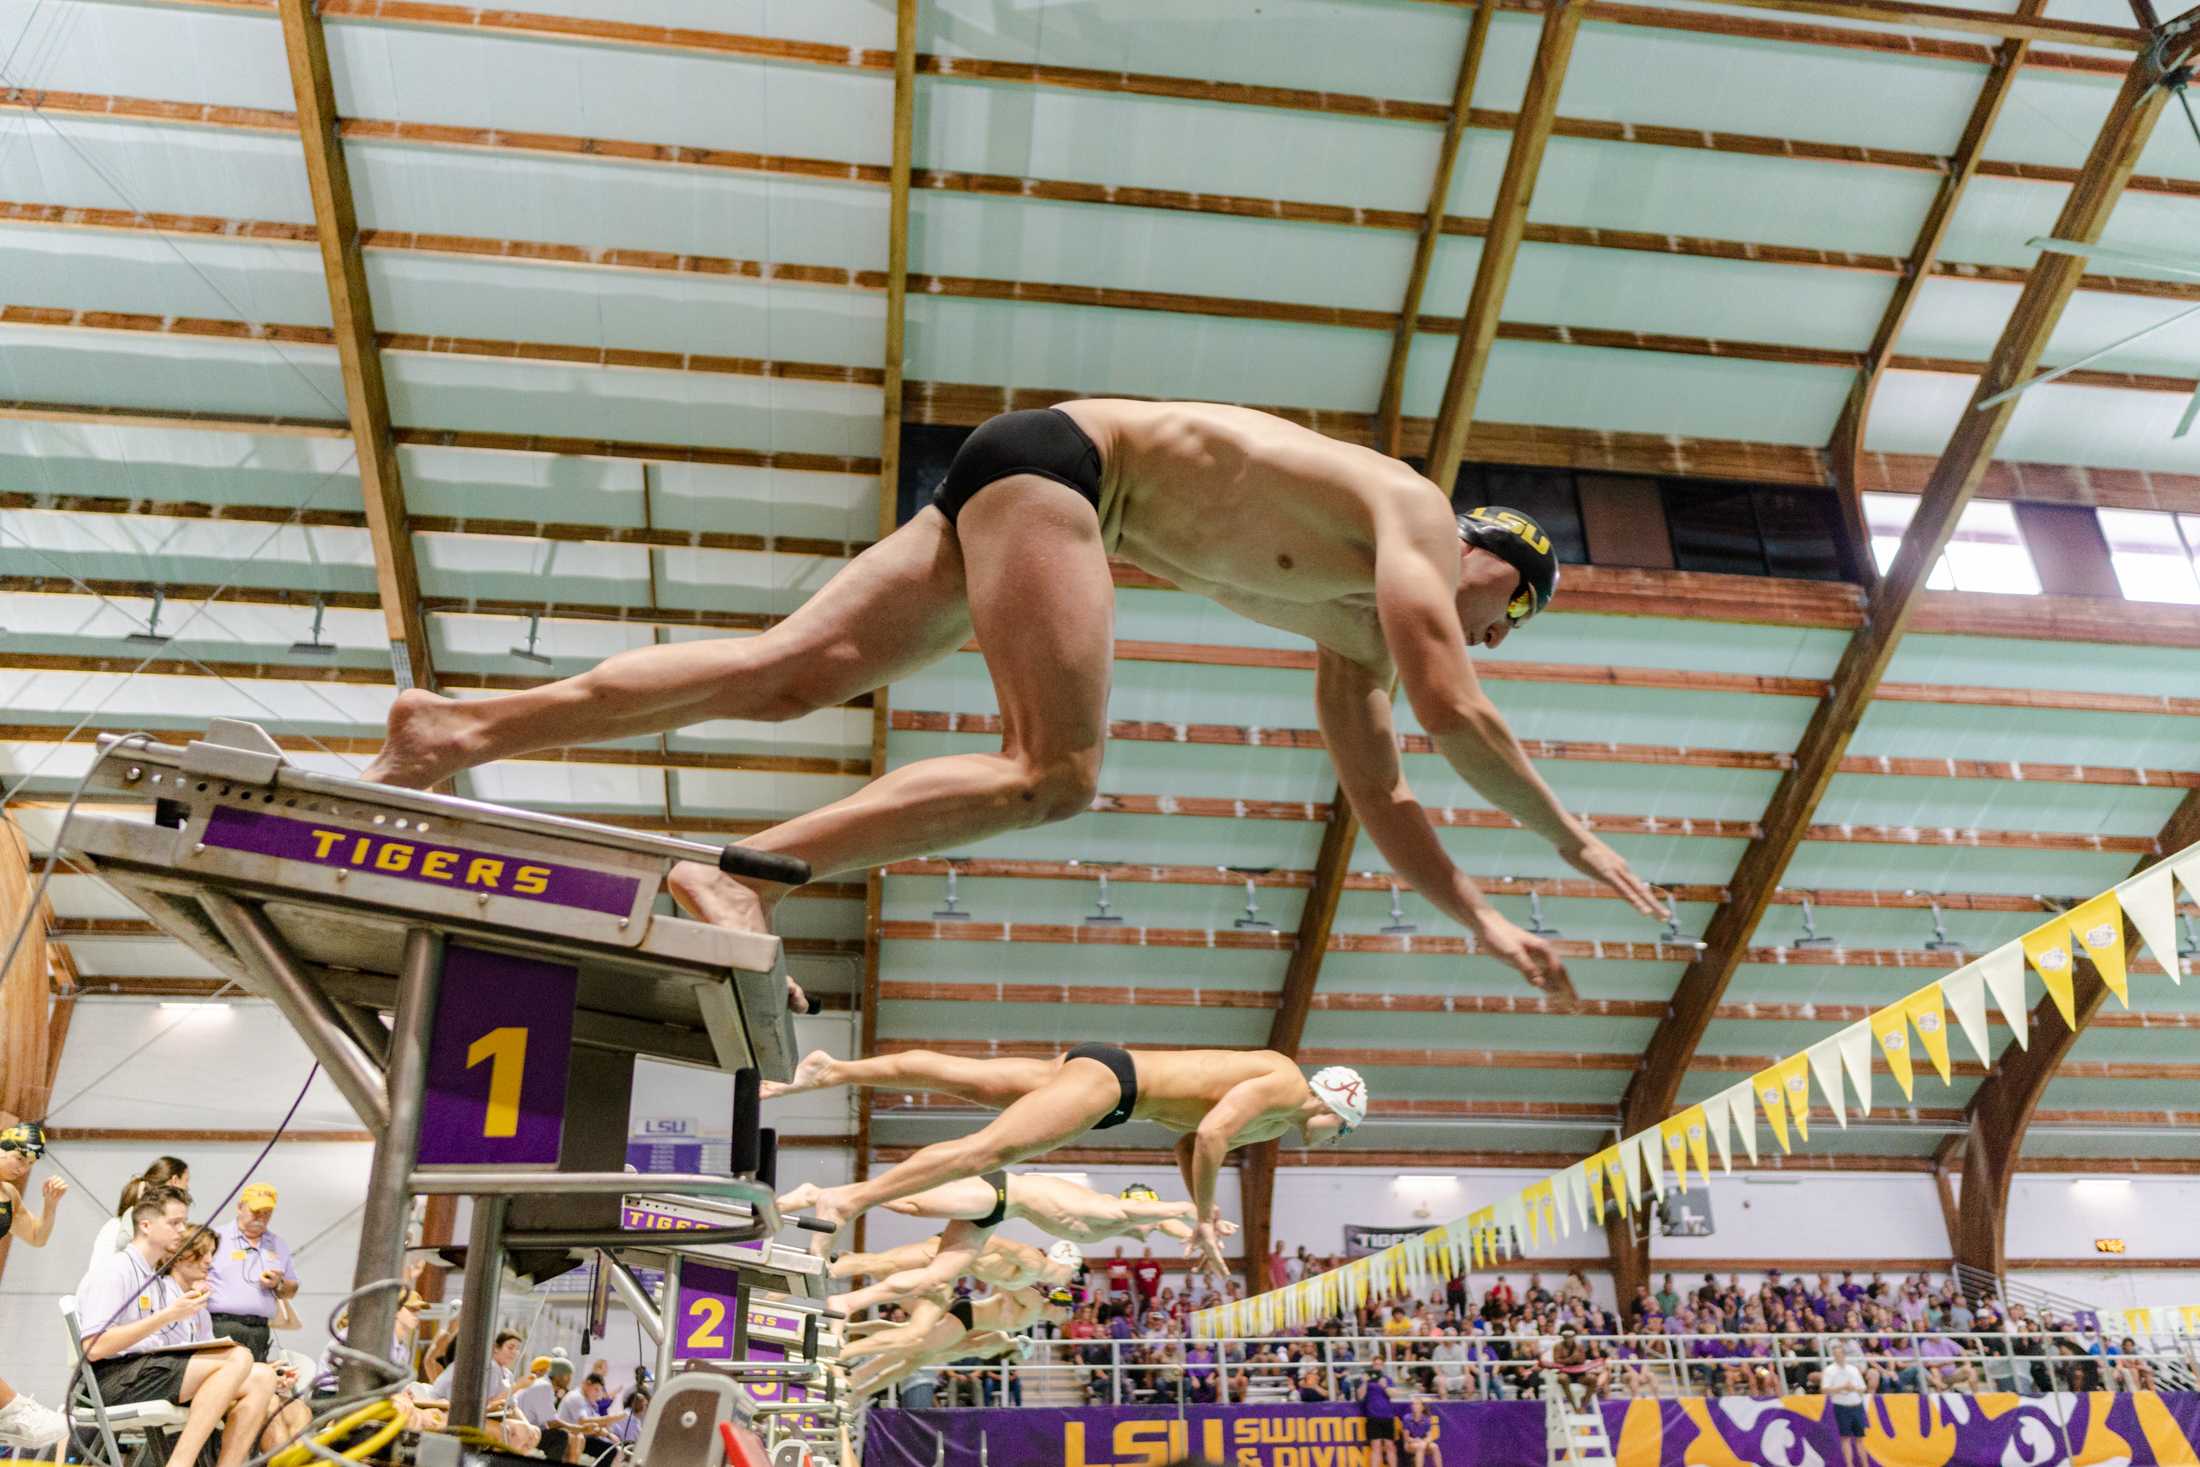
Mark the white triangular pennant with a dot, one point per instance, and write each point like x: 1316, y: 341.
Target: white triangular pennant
x: 2150, y: 901
x: 1717, y: 1115
x: 1741, y: 1104
x: 1825, y: 1064
x: 1577, y: 1192
x: 2003, y: 972
x: 1647, y: 1146
x: 1855, y: 1044
x: 1965, y: 990
x: 1631, y: 1163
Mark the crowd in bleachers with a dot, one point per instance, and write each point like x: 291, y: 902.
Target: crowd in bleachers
x: 1501, y: 1337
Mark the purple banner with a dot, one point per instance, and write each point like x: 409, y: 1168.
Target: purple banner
x: 498, y: 1061
x: 2141, y: 1430
x: 428, y: 862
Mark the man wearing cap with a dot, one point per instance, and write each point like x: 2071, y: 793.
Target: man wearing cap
x: 252, y: 1271
x: 1327, y: 540
x: 1218, y: 1099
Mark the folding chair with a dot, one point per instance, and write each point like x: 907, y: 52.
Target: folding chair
x: 143, y: 1423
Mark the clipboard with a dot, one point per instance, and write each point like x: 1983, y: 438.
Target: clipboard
x: 191, y: 1349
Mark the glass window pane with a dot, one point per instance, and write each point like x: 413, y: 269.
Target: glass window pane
x: 1988, y: 565
x: 2150, y: 556
x: 1889, y: 514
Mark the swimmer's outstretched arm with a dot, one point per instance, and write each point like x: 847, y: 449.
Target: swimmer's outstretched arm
x: 893, y: 1260
x: 1416, y: 585
x: 956, y: 1249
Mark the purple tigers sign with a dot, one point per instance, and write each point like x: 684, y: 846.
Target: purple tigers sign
x: 2096, y: 1430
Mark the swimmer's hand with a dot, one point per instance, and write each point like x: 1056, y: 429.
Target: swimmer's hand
x: 1593, y: 858
x: 1206, y: 1247
x: 1526, y: 953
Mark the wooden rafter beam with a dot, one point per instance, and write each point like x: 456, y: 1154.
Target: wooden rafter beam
x: 1211, y: 939
x: 366, y: 397
x: 902, y: 155
x: 2109, y: 163
x: 2004, y: 1109
x: 1847, y: 445
x: 1391, y: 405
x: 1469, y: 1005
x: 2026, y: 25
x: 1501, y: 246
x: 1570, y: 1061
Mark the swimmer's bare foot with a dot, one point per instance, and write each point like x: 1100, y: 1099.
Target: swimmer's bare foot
x: 799, y: 1198
x: 427, y: 741
x: 815, y: 1072
x: 711, y: 895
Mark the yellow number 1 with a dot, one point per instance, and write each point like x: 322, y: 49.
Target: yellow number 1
x: 506, y: 1051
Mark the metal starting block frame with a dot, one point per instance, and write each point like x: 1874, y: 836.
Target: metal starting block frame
x: 521, y: 960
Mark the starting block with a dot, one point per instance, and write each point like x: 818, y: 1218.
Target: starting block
x: 521, y: 961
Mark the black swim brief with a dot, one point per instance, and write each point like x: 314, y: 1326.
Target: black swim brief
x: 1042, y: 441
x: 1126, y: 1079
x: 998, y: 1181
x: 959, y: 1311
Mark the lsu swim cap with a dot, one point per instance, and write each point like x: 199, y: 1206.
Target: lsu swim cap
x: 1345, y: 1093
x: 1139, y: 1192
x: 1067, y: 1254
x: 1061, y: 1297
x: 1520, y: 542
x: 27, y: 1137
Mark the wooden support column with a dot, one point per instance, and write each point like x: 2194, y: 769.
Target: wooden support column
x: 366, y: 398
x: 1846, y: 449
x: 1389, y: 414
x: 2047, y: 290
x: 1287, y: 1031
x: 25, y: 996
x: 2002, y: 1108
x: 1500, y: 247
x: 889, y: 488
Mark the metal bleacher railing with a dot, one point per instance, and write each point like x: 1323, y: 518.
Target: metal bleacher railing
x: 1121, y: 1372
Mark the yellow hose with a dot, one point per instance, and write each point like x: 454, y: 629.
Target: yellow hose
x: 298, y: 1454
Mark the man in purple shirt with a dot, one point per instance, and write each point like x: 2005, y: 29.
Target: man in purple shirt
x: 130, y: 1312
x: 252, y: 1272
x: 1382, y: 1421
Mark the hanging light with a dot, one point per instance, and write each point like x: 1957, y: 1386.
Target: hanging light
x: 1811, y: 936
x: 951, y: 912
x: 1940, y: 942
x: 1103, y: 916
x: 1535, y: 915
x: 1398, y: 926
x: 313, y: 646
x: 152, y: 636
x: 1252, y: 920
x: 1672, y: 934
x: 534, y: 635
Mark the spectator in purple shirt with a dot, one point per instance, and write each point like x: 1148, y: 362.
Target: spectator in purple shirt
x: 252, y: 1273
x: 129, y: 1311
x: 1382, y: 1421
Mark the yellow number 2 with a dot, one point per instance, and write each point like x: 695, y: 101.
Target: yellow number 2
x: 506, y: 1051
x: 712, y: 1313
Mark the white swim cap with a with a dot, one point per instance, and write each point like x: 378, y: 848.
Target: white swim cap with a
x: 1067, y: 1254
x: 1344, y: 1092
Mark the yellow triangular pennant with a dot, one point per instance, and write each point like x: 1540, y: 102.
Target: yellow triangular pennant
x: 1615, y: 1177
x: 1698, y: 1125
x: 1795, y: 1079
x: 1675, y: 1134
x: 1771, y: 1093
x: 2048, y: 949
x: 1892, y: 1029
x: 1929, y: 1016
x: 2099, y: 927
x: 1595, y: 1170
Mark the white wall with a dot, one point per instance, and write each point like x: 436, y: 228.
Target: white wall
x: 2061, y: 1216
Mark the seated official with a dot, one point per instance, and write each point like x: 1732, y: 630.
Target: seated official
x: 131, y: 1314
x: 252, y: 1273
x: 288, y: 1416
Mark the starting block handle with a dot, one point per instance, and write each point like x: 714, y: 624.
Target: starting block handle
x: 763, y: 866
x: 813, y: 1224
